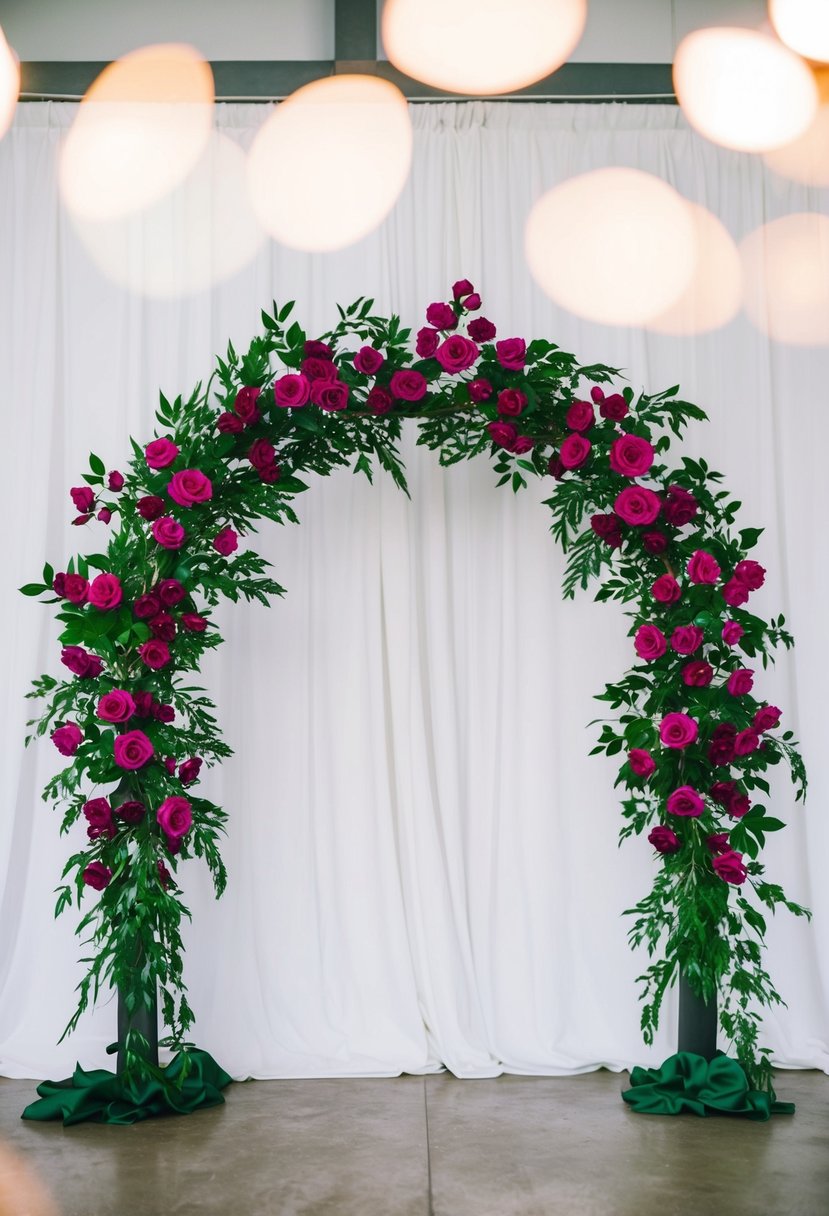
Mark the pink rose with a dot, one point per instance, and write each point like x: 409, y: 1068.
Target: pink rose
x: 262, y: 454
x: 170, y: 592
x: 456, y: 354
x: 81, y: 519
x: 81, y: 663
x: 641, y: 762
x: 746, y: 742
x: 685, y: 639
x: 441, y: 316
x: 146, y: 606
x: 168, y: 532
x: 472, y: 302
x: 163, y: 626
x: 511, y: 402
x: 317, y: 350
x: 164, y: 713
x: 189, y: 487
x: 229, y: 424
x: 735, y: 593
x: 133, y: 750
x: 481, y: 330
x: 462, y: 288
x: 666, y: 589
x: 504, y: 434
x: 721, y: 745
x: 319, y: 369
x: 729, y: 866
x: 378, y: 400
x: 512, y: 353
x: 150, y: 507
x: 680, y: 506
x: 702, y: 568
x: 408, y: 386
x: 97, y: 875
x: 697, y: 674
x: 655, y: 542
x: 607, y: 527
x: 83, y: 498
x: 105, y: 592
x: 718, y: 842
x: 663, y: 839
x: 193, y: 623
x: 98, y: 814
x: 678, y: 730
x: 750, y: 574
x: 427, y: 342
x: 161, y: 453
x: 580, y: 416
x: 630, y: 456
x: 246, y: 406
x: 291, y: 392
x: 175, y: 816
x: 188, y: 771
x: 685, y: 801
x: 649, y: 643
x: 732, y: 631
x: 766, y: 718
x: 115, y: 481
x: 479, y: 390
x: 597, y: 394
x: 226, y: 542
x: 722, y: 792
x: 75, y: 588
x: 613, y: 407
x: 67, y: 739
x: 105, y: 515
x: 740, y: 682
x: 368, y: 361
x: 329, y: 394
x: 116, y: 706
x: 637, y: 506
x: 131, y: 812
x: 523, y: 443
x: 574, y: 451
x: 154, y: 654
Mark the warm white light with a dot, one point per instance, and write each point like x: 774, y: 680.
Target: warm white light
x: 330, y: 162
x: 9, y: 84
x: 614, y: 245
x: 141, y: 128
x: 200, y: 234
x: 481, y: 46
x: 786, y: 271
x: 742, y: 89
x: 806, y: 159
x: 715, y: 291
x: 803, y: 25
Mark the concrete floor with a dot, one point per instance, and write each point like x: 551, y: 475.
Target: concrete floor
x: 435, y: 1146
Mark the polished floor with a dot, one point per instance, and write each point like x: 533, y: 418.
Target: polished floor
x: 435, y: 1146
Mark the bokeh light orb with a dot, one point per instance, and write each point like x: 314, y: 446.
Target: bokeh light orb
x: 803, y: 25
x: 742, y: 89
x: 481, y: 46
x: 786, y: 274
x: 806, y: 159
x: 142, y: 126
x: 9, y: 84
x: 615, y: 245
x: 330, y: 162
x: 715, y: 292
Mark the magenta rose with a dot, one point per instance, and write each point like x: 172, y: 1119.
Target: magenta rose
x: 685, y: 639
x: 740, y: 682
x: 512, y: 353
x: 746, y: 742
x: 189, y: 487
x: 740, y: 805
x: 317, y: 349
x: 523, y: 443
x: 735, y: 593
x: 729, y: 866
x: 133, y: 750
x: 170, y: 765
x: 703, y: 568
x: 607, y: 527
x: 408, y: 386
x: 83, y: 498
x: 116, y: 706
x: 504, y: 434
x: 170, y: 592
x: 663, y: 839
x: 270, y: 474
x: 329, y: 395
x: 441, y: 316
x: 163, y: 713
x: 613, y: 407
x: 666, y: 589
x: 378, y: 400
x: 680, y: 506
x: 175, y: 816
x: 161, y: 453
x: 67, y: 739
x: 481, y: 330
x: 189, y: 770
x: 574, y: 451
x: 105, y: 592
x: 750, y: 574
x: 147, y: 606
x: 131, y: 812
x: 226, y: 542
x: 262, y: 454
x: 76, y: 588
x: 685, y: 801
x: 697, y: 674
x: 115, y: 481
x: 143, y: 704
x: 718, y: 842
x: 649, y: 643
x: 722, y: 792
x: 163, y: 626
x: 456, y: 354
x: 97, y: 875
x: 580, y: 416
x: 150, y: 507
x: 479, y: 390
x: 732, y: 631
x: 368, y: 361
x: 472, y: 302
x: 511, y: 402
x: 641, y: 762
x: 597, y: 393
x: 81, y: 519
x: 462, y: 288
x: 292, y: 391
x: 81, y: 663
x: 766, y: 718
x: 193, y: 623
x: 678, y: 730
x: 154, y: 654
x: 168, y: 532
x: 229, y: 424
x: 105, y: 515
x: 556, y: 469
x: 655, y: 542
x: 98, y: 814
x: 630, y: 456
x: 319, y: 369
x: 59, y: 583
x: 427, y: 342
x: 637, y: 506
x: 721, y: 744
x: 246, y: 405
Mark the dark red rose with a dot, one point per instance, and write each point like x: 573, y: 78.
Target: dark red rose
x: 512, y: 353
x: 666, y: 589
x: 462, y: 288
x: 81, y: 663
x: 750, y: 573
x: 614, y: 407
x: 229, y: 424
x: 697, y: 673
x: 76, y: 589
x: 245, y: 406
x: 555, y: 468
x: 143, y: 704
x: 59, y: 584
x: 319, y: 369
x: 163, y: 626
x: 329, y: 394
x: 441, y: 316
x: 146, y: 606
x: 188, y: 771
x: 479, y: 390
x: 150, y: 506
x: 83, y: 497
x: 97, y: 875
x: 427, y: 342
x: 680, y: 507
x: 503, y: 434
x: 262, y: 454
x: 408, y: 385
x: 378, y: 400
x: 511, y: 402
x: 580, y: 416
x: 664, y: 839
x: 721, y: 744
x: 154, y: 654
x: 317, y: 350
x: 115, y: 481
x: 655, y: 542
x: 481, y: 330
x: 131, y: 812
x: 193, y: 622
x: 368, y: 360
x: 170, y: 592
x: 729, y: 866
x: 766, y: 718
x: 609, y: 528
x: 163, y: 713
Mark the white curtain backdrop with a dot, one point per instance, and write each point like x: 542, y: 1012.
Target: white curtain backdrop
x: 423, y: 860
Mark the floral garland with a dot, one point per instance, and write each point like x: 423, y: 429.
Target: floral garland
x: 693, y: 741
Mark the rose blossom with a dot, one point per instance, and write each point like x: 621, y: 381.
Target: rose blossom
x: 685, y: 801
x: 479, y: 390
x: 442, y: 316
x: 319, y: 369
x: 170, y: 592
x: 523, y: 444
x: 740, y: 805
x: 631, y: 456
x: 722, y: 792
x: 229, y: 424
x: 685, y: 639
x: 97, y: 875
x: 189, y: 487
x: 368, y: 361
x: 175, y: 816
x: 735, y: 593
x: 718, y: 842
x: 721, y: 745
x: 98, y: 814
x: 317, y: 349
x: 116, y: 706
x: 150, y: 507
x: 193, y: 623
x: 481, y: 330
x: 163, y: 626
x: 246, y: 406
x: 59, y: 583
x: 189, y: 770
x: 729, y: 866
x: 105, y: 515
x: 472, y: 302
x: 105, y: 592
x: 293, y: 391
x: 456, y: 354
x: 226, y: 542
x: 427, y: 342
x: 67, y: 739
x: 168, y: 532
x: 597, y: 393
x: 81, y: 519
x: 750, y: 574
x: 133, y: 750
x: 75, y: 588
x: 131, y: 812
x: 574, y: 451
x: 408, y: 386
x: 146, y: 606
x: 462, y: 288
x: 649, y: 642
x: 378, y: 400
x: 115, y: 481
x: 613, y: 407
x: 160, y: 453
x: 504, y: 434
x: 608, y: 528
x: 697, y: 674
x: 262, y: 454
x: 655, y: 542
x: 666, y: 589
x: 155, y: 654
x: 680, y: 506
x: 81, y: 663
x: 637, y: 506
x: 580, y: 416
x: 703, y: 568
x: 732, y: 631
x: 556, y: 469
x: 641, y: 762
x: 678, y: 730
x: 511, y: 402
x: 512, y: 353
x: 143, y: 704
x: 83, y: 498
x: 164, y: 713
x: 746, y: 742
x: 663, y: 839
x: 329, y: 394
x: 740, y: 682
x: 766, y: 718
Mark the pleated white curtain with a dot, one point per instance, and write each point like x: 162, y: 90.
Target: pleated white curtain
x: 423, y: 860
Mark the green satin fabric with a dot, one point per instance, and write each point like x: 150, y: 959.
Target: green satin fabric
x: 104, y: 1097
x: 687, y: 1083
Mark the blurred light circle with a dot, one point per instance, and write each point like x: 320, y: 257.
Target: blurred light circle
x: 330, y: 162
x: 481, y: 46
x: 9, y: 84
x: 714, y: 294
x: 198, y: 235
x: 803, y: 25
x: 806, y: 159
x: 614, y: 245
x: 140, y: 129
x: 786, y: 274
x: 742, y: 89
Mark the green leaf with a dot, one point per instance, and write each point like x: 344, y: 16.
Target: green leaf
x: 96, y: 464
x: 33, y: 589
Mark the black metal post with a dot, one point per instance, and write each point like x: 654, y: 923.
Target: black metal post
x: 697, y: 1022
x: 145, y: 1021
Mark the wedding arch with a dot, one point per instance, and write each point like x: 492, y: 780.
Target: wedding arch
x: 693, y: 741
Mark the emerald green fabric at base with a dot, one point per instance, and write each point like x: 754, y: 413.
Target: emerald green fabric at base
x: 687, y: 1083
x: 104, y: 1097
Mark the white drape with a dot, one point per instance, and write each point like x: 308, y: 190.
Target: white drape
x: 423, y: 860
